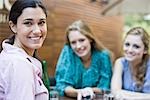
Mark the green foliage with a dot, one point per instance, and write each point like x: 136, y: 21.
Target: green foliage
x: 135, y: 20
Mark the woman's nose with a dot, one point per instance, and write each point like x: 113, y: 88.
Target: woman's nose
x: 130, y: 48
x: 78, y: 45
x: 36, y: 29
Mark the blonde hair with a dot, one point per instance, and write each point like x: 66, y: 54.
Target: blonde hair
x: 84, y: 29
x: 141, y: 71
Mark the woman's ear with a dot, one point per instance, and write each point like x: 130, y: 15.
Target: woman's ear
x: 12, y: 27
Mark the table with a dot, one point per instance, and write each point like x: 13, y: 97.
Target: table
x: 98, y: 97
x: 106, y: 95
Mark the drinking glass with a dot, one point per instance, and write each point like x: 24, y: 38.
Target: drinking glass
x: 54, y: 95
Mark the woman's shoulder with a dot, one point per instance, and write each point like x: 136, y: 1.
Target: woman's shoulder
x: 101, y: 56
x: 5, y: 62
x: 4, y: 57
x: 120, y: 59
x: 67, y: 50
x: 104, y: 54
x: 13, y: 58
x: 66, y: 47
x: 66, y: 57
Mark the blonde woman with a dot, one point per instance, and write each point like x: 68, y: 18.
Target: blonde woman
x: 84, y: 65
x: 131, y: 77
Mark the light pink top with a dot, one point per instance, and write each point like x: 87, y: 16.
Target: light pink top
x: 20, y: 75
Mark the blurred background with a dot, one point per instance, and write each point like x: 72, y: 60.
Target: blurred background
x: 108, y: 19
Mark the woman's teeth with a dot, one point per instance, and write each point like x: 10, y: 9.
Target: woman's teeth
x: 35, y: 38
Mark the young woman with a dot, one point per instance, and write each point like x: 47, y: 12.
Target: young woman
x: 20, y: 72
x: 131, y: 77
x: 84, y: 65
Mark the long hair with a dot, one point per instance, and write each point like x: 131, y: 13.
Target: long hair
x: 141, y: 67
x: 84, y: 29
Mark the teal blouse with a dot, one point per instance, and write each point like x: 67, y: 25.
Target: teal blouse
x: 70, y: 71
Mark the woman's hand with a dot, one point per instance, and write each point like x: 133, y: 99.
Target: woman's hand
x: 85, y: 92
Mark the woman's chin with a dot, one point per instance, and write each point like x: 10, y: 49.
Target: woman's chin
x: 37, y: 46
x: 129, y: 58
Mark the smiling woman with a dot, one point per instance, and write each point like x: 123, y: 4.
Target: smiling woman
x: 84, y: 65
x: 131, y: 77
x: 18, y: 66
x: 30, y: 30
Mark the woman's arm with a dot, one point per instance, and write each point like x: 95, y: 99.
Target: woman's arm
x: 105, y: 71
x: 116, y: 86
x: 129, y: 95
x: 116, y: 82
x: 79, y: 93
x: 96, y: 90
x: 6, y: 75
x: 2, y: 87
x: 64, y: 62
x: 71, y: 92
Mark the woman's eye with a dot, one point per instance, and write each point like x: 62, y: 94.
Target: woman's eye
x: 28, y: 23
x: 73, y: 42
x: 136, y: 46
x: 81, y: 40
x: 42, y: 23
x: 127, y: 44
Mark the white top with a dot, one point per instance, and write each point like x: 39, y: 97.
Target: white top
x: 20, y: 75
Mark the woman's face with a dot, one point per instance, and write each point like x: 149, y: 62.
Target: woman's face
x: 31, y: 29
x: 80, y: 44
x: 133, y: 48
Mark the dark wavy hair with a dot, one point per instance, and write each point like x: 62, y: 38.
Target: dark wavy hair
x: 18, y: 7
